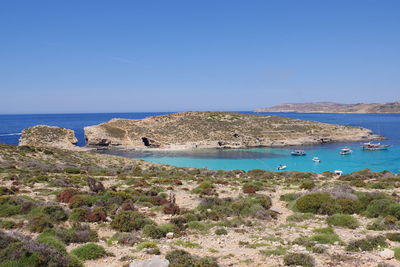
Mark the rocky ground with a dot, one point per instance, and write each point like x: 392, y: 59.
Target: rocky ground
x: 65, y: 208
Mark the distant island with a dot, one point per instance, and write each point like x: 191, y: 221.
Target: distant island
x: 331, y: 107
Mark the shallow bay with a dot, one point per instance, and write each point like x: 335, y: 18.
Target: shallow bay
x: 387, y: 125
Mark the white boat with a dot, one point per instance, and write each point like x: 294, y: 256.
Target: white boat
x: 316, y: 159
x: 338, y: 172
x: 345, y: 151
x: 298, y: 153
x: 281, y: 167
x: 374, y: 146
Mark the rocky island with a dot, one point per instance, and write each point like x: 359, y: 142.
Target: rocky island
x: 331, y: 107
x: 218, y: 130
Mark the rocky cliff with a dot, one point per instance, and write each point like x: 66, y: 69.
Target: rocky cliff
x: 48, y: 136
x: 218, y: 129
x: 330, y: 107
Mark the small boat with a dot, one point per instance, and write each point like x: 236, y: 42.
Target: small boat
x: 316, y: 159
x: 338, y: 172
x: 345, y: 151
x: 373, y: 147
x: 281, y: 167
x: 298, y: 153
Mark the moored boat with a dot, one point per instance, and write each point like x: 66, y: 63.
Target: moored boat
x: 345, y: 151
x: 281, y: 167
x: 316, y: 159
x: 338, y: 172
x: 376, y: 146
x: 298, y: 153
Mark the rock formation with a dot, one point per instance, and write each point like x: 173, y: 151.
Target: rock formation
x: 48, y: 136
x: 218, y: 130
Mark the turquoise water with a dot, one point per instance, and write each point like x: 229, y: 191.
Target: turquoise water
x: 270, y: 158
x: 328, y: 154
x: 246, y: 159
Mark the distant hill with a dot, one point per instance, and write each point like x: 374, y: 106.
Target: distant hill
x: 331, y: 107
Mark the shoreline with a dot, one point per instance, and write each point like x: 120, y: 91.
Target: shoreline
x: 188, y: 147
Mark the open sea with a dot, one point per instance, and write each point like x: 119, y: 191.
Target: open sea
x: 387, y: 125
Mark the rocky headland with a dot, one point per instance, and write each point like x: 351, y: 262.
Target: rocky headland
x: 49, y: 136
x: 218, y: 130
x: 331, y: 107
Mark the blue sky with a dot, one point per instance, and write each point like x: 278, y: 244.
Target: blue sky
x: 130, y: 56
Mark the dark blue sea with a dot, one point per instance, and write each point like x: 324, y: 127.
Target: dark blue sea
x: 387, y: 125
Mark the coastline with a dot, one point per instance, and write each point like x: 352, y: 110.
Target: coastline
x: 324, y: 112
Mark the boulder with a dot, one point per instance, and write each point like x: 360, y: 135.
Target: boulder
x: 387, y: 254
x: 155, y: 261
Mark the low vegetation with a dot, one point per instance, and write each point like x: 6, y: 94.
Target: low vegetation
x: 63, y: 208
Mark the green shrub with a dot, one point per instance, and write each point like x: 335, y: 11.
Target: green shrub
x: 74, y: 261
x: 168, y: 228
x: 201, y: 226
x: 7, y: 224
x: 273, y: 252
x: 349, y: 206
x: 325, y: 236
x: 78, y: 201
x: 325, y: 230
x: 89, y: 251
x: 53, y: 242
x: 343, y: 220
x: 289, y: 197
x: 221, y: 231
x: 358, y: 183
x: 78, y: 215
x: 39, y: 223
x: 7, y: 210
x: 378, y: 207
x: 203, y: 188
x: 299, y: 217
x: 317, y: 203
x: 54, y: 213
x: 77, y: 234
x: 367, y: 244
x: 394, y: 210
x: 366, y: 198
x: 147, y: 244
x: 187, y: 244
x: 249, y: 206
x: 397, y: 253
x: 180, y: 258
x: 307, y: 185
x: 299, y: 259
x: 72, y: 170
x: 17, y: 250
x: 153, y: 231
x: 216, y: 208
x: 393, y: 236
x: 387, y: 223
x: 127, y: 221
